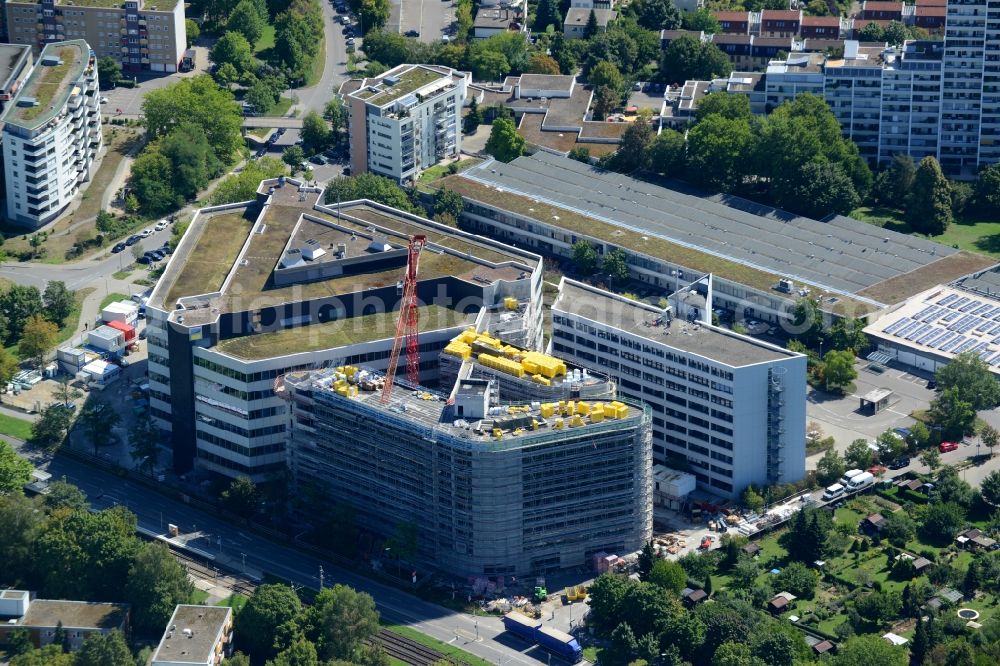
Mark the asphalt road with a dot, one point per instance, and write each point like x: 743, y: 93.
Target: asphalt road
x: 315, y: 97
x: 155, y: 512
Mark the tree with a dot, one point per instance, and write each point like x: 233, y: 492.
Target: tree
x: 633, y: 150
x: 666, y: 153
x: 928, y: 209
x: 954, y: 416
x: 950, y: 487
x: 616, y: 266
x: 879, y: 608
x: 606, y: 74
x: 859, y: 455
x: 702, y: 20
x: 988, y: 190
x: 898, y: 528
x: 247, y: 21
x: 732, y: 653
x: 293, y: 156
x: 342, y: 619
x: 109, y: 72
x: 990, y: 437
x: 156, y: 583
x: 657, y: 14
x: 718, y: 150
x: 547, y: 15
x: 234, y: 49
x: 942, y: 522
x: 890, y: 446
x: 872, y: 32
x: 368, y: 186
x: 151, y: 178
x: 15, y: 471
x: 242, y: 186
x: 49, y: 430
x: 895, y: 33
x: 238, y: 659
x: 607, y: 595
x: 779, y: 647
x: 931, y: 458
x: 990, y: 488
x: 64, y: 495
x: 647, y: 558
x: 489, y: 65
x: 241, y: 496
x: 200, y: 101
x: 830, y: 467
x: 472, y: 119
x: 315, y: 133
x: 58, y: 300
x: 261, y: 96
x: 900, y: 176
x: 8, y: 366
x: 752, y: 500
x: 806, y: 539
x: 448, y: 202
x: 669, y: 575
x: 542, y: 64
x: 838, y: 370
x: 847, y: 333
x: 605, y: 101
x: 504, y: 143
x: 105, y: 650
x: 191, y: 29
x: 270, y: 606
x: 688, y: 58
x: 822, y: 189
x: 798, y: 579
x: 585, y: 257
x: 38, y: 337
x: 17, y: 305
x: 591, y: 28
x: 98, y: 419
x: 193, y: 162
x: 971, y: 377
x: 299, y: 653
x: 336, y: 113
x: 226, y: 74
x: 867, y: 650
x: 374, y: 13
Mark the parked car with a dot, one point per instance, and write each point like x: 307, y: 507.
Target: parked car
x: 132, y: 240
x: 945, y: 447
x: 161, y: 225
x: 833, y: 492
x: 144, y: 259
x: 166, y: 249
x: 899, y: 463
x: 317, y: 159
x: 931, y: 384
x: 146, y: 233
x: 412, y: 33
x: 104, y: 100
x: 118, y: 248
x: 350, y: 41
x: 347, y: 171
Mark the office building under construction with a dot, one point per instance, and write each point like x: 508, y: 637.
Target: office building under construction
x: 497, y: 483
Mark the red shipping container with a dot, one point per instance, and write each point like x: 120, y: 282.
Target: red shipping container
x: 127, y: 329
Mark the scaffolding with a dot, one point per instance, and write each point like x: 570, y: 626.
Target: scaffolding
x: 775, y: 423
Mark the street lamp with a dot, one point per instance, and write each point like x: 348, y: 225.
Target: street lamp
x: 244, y: 556
x: 477, y: 629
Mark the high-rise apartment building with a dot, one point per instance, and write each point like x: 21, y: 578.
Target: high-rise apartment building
x: 732, y: 407
x: 143, y: 35
x: 405, y: 120
x: 51, y: 134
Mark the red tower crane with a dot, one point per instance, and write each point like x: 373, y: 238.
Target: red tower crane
x: 406, y: 325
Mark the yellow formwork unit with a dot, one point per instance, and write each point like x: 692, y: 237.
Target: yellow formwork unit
x: 582, y: 408
x: 597, y: 412
x: 548, y: 409
x: 538, y: 379
x: 576, y: 421
x: 543, y: 364
x: 510, y: 303
x: 459, y: 349
x: 501, y: 364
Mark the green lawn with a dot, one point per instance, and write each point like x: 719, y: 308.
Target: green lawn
x: 199, y: 596
x: 440, y: 170
x: 234, y: 601
x: 967, y: 234
x: 73, y: 320
x: 281, y: 108
x: 316, y: 73
x: 266, y: 40
x: 15, y: 427
x: 112, y: 298
x: 448, y: 650
x: 121, y: 275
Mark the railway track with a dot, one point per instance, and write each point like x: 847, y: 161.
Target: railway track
x: 399, y: 647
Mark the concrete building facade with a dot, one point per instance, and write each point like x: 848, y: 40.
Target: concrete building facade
x: 143, y: 35
x: 406, y: 120
x: 51, y: 134
x: 732, y: 407
x: 195, y: 636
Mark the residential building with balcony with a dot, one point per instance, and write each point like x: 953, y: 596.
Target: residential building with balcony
x: 51, y: 134
x: 406, y: 120
x: 143, y: 35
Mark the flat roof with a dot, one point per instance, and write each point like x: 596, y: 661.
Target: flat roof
x: 945, y: 321
x: 399, y: 82
x: 580, y: 15
x: 495, y: 17
x: 842, y: 255
x: 546, y: 82
x: 49, y: 85
x: 710, y: 342
x: 430, y: 409
x: 232, y: 254
x: 191, y: 634
x: 12, y: 57
x: 74, y: 614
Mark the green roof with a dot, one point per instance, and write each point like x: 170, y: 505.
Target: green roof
x: 49, y: 85
x: 340, y: 333
x: 409, y: 81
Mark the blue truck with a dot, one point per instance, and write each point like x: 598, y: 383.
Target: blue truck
x: 557, y: 642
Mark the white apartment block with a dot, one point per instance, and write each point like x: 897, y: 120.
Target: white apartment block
x: 143, y: 35
x: 732, y: 407
x: 51, y: 134
x: 406, y: 120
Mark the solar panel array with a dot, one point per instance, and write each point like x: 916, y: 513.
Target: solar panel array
x: 954, y: 324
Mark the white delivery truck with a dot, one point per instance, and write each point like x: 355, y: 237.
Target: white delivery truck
x: 860, y: 482
x: 833, y: 492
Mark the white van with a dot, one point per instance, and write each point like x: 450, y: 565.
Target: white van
x: 860, y: 482
x: 833, y: 492
x: 850, y: 474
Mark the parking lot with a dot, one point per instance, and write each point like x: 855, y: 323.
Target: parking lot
x: 127, y: 102
x: 429, y: 18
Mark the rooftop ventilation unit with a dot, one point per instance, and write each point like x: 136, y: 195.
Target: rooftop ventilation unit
x: 312, y: 250
x: 390, y: 80
x: 51, y: 61
x: 27, y: 101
